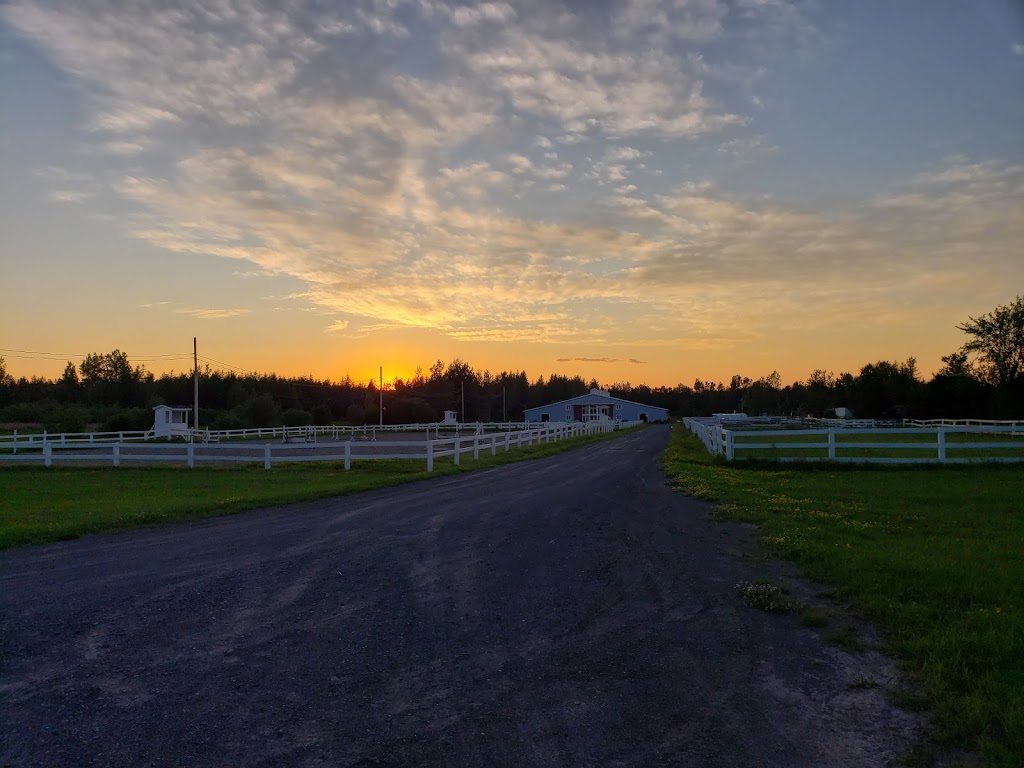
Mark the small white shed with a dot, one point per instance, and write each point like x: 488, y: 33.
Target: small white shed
x: 170, y: 421
x: 450, y: 418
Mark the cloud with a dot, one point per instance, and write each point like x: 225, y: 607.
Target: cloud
x: 68, y: 196
x: 595, y: 87
x: 213, y: 314
x: 746, y: 147
x: 337, y: 326
x: 394, y: 157
x: 469, y: 16
x: 600, y: 360
x: 123, y: 147
x: 1017, y: 49
x: 60, y: 174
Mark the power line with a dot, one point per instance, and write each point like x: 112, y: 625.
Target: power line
x: 32, y: 354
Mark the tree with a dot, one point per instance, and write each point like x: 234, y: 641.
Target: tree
x: 998, y: 340
x: 956, y: 391
x: 957, y: 365
x: 5, y: 377
x: 885, y: 390
x: 70, y: 376
x: 110, y: 367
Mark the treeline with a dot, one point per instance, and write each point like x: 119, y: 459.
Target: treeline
x: 984, y: 380
x: 122, y: 397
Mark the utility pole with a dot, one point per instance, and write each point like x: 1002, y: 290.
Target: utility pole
x: 382, y: 395
x: 504, y: 416
x: 463, y: 401
x: 195, y: 384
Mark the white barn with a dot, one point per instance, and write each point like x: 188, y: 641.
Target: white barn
x: 597, y: 405
x: 170, y: 421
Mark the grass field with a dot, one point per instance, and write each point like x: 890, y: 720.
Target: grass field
x: 38, y: 505
x: 934, y: 555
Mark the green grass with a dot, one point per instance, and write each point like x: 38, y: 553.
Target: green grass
x: 934, y: 555
x: 39, y: 505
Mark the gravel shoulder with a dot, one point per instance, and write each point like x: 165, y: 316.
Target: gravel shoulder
x: 567, y: 611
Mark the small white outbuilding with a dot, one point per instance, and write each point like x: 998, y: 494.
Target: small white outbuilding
x: 170, y: 421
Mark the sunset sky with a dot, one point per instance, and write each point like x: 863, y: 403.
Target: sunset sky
x: 635, y: 191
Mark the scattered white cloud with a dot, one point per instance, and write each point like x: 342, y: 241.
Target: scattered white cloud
x: 600, y: 360
x: 60, y: 174
x: 313, y: 148
x: 1017, y: 49
x: 123, y: 147
x: 68, y: 196
x: 470, y: 16
x: 746, y: 147
x: 212, y: 314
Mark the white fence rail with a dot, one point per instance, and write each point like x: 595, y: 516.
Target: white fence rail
x: 725, y: 439
x: 28, y: 440
x: 192, y: 454
x: 314, y: 433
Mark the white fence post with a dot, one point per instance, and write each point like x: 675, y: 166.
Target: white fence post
x: 729, y: 449
x: 476, y: 448
x: 494, y: 444
x: 47, y: 455
x: 430, y: 455
x: 348, y: 455
x: 266, y: 456
x: 942, y: 444
x: 831, y: 442
x: 458, y: 447
x: 190, y: 453
x: 117, y: 455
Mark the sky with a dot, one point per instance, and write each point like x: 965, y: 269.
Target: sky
x: 642, y: 191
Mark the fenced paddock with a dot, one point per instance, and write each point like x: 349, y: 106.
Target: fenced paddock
x: 305, y: 434
x: 798, y: 441
x: 192, y: 454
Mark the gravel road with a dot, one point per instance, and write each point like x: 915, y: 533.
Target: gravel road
x: 569, y: 611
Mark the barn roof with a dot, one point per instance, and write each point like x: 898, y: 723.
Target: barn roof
x: 595, y: 397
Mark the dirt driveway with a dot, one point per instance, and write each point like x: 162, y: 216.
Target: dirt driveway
x: 571, y: 611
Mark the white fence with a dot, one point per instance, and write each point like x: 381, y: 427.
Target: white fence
x: 314, y: 433
x: 192, y: 454
x: 285, y: 434
x: 724, y: 439
x: 37, y: 440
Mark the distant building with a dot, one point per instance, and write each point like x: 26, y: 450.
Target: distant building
x: 170, y: 421
x: 844, y: 413
x: 450, y: 417
x: 598, y: 405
